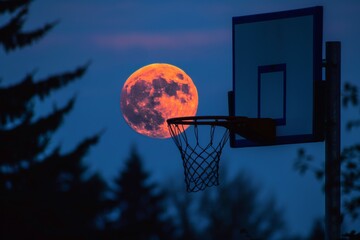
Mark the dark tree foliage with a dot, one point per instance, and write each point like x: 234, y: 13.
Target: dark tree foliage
x: 184, y: 203
x: 236, y: 212
x: 43, y: 192
x: 50, y: 200
x: 350, y: 161
x: 12, y: 109
x: 12, y: 5
x: 11, y: 34
x: 353, y: 235
x: 141, y: 205
x: 317, y: 231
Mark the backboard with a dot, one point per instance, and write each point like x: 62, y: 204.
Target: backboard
x: 277, y: 70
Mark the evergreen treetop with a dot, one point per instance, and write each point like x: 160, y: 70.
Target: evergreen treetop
x: 43, y: 192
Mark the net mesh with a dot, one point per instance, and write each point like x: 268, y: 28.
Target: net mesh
x: 200, y: 160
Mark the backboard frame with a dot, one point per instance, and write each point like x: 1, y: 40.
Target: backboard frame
x: 317, y: 131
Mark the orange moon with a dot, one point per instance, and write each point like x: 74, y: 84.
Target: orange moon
x: 154, y: 93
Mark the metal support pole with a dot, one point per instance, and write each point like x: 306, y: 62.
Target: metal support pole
x: 332, y: 142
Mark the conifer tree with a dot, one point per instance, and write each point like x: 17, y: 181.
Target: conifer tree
x: 43, y: 194
x: 317, y: 232
x: 141, y: 205
x: 11, y: 34
x: 234, y: 211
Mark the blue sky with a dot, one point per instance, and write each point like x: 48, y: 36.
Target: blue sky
x: 121, y: 36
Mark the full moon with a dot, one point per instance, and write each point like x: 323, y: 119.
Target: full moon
x: 154, y: 93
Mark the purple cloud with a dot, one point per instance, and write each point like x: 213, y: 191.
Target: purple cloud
x: 154, y: 41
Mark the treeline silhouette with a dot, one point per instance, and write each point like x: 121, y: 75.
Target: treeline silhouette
x: 46, y: 193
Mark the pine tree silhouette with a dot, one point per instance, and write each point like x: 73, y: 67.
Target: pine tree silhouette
x: 317, y: 232
x: 43, y: 194
x: 234, y: 211
x: 141, y: 205
x: 11, y: 34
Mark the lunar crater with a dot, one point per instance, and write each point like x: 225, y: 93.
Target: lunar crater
x: 180, y: 76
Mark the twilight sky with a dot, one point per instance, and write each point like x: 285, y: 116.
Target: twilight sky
x: 120, y: 36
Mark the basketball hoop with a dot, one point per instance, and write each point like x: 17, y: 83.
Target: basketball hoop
x: 201, y: 160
